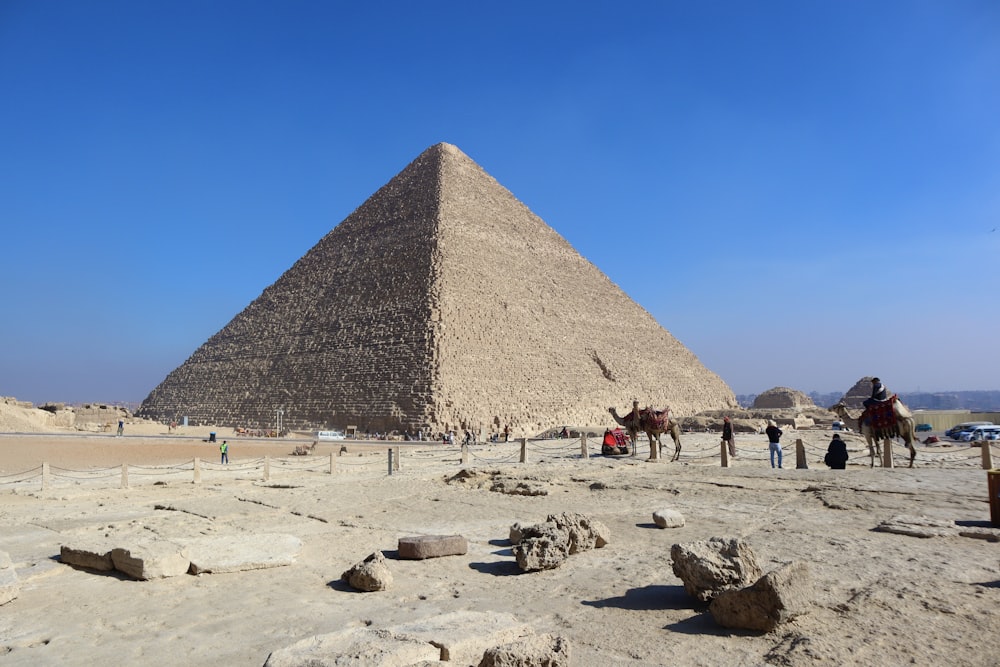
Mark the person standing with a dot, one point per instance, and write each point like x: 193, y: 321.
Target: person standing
x: 774, y: 440
x: 224, y: 449
x: 121, y: 427
x: 727, y: 436
x: 836, y: 453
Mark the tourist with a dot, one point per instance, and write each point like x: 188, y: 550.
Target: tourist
x: 121, y: 427
x: 224, y: 449
x: 727, y: 436
x: 506, y: 432
x: 773, y: 439
x: 836, y: 453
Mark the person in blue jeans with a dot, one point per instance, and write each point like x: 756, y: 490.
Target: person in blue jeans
x: 774, y: 440
x: 224, y: 449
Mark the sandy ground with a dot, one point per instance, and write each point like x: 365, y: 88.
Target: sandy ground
x: 878, y: 598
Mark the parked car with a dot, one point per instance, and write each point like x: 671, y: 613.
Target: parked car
x: 924, y: 427
x: 980, y: 433
x: 955, y: 430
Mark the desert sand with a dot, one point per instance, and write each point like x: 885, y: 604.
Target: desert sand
x: 876, y: 597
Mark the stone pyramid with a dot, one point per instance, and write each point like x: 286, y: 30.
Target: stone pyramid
x: 441, y: 303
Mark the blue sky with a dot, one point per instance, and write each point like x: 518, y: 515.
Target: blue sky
x: 801, y: 191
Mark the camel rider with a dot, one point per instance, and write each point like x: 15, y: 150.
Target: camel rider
x: 879, y: 393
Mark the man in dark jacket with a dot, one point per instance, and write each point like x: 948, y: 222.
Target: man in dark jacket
x: 774, y: 440
x: 836, y: 453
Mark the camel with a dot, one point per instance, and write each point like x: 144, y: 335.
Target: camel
x: 653, y: 423
x: 904, y: 428
x: 632, y: 423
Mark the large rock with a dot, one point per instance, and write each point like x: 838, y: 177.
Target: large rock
x: 668, y: 518
x: 371, y: 574
x: 777, y: 597
x: 715, y: 565
x: 535, y: 651
x: 355, y: 647
x: 9, y: 584
x: 151, y: 559
x: 546, y: 545
x: 245, y: 551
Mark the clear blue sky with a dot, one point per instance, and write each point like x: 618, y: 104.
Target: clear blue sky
x: 801, y: 191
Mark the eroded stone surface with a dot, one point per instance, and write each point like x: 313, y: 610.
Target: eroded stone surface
x: 714, y: 565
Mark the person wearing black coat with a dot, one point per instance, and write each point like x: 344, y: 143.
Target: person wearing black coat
x: 836, y: 453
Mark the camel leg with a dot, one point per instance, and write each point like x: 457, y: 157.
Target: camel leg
x: 871, y: 451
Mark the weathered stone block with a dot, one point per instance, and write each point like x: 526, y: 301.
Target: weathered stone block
x: 151, y: 559
x: 89, y: 554
x: 432, y: 546
x: 777, y: 597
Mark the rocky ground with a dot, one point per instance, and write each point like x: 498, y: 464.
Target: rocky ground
x: 913, y: 596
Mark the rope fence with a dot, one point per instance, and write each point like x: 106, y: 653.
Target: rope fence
x: 521, y: 451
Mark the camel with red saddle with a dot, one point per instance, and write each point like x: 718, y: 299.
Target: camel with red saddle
x: 883, y: 420
x: 653, y: 423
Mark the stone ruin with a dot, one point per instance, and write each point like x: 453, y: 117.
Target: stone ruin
x: 441, y: 303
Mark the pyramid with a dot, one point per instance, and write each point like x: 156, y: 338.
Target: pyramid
x: 441, y: 303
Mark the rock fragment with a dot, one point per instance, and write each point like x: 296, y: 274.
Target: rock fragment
x: 371, y: 574
x: 715, y: 565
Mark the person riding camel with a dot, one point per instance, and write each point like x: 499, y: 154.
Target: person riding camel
x: 879, y: 393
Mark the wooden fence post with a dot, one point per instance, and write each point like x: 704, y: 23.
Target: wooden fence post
x: 887, y: 461
x: 124, y: 475
x: 584, y: 452
x: 800, y: 455
x: 333, y: 463
x: 524, y: 450
x: 987, y: 455
x: 390, y: 461
x: 724, y: 452
x: 465, y: 455
x: 197, y: 470
x: 267, y: 468
x: 396, y: 459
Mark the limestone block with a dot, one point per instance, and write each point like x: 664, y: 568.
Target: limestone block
x: 236, y: 553
x: 777, y: 597
x: 151, y: 559
x: 715, y: 565
x: 89, y: 554
x: 918, y: 526
x: 537, y: 650
x: 668, y: 518
x: 354, y: 647
x: 432, y: 546
x: 463, y: 636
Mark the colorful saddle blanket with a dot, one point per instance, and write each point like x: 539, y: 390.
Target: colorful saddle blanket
x: 658, y: 418
x: 881, y: 418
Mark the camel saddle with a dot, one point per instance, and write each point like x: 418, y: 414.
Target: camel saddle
x: 881, y: 418
x: 658, y: 418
